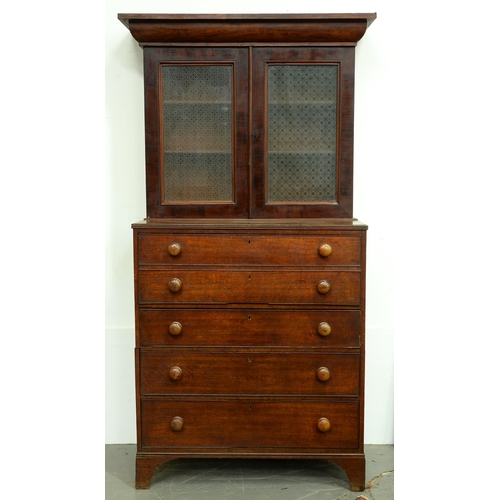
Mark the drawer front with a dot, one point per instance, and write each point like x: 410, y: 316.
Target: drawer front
x: 249, y: 373
x: 250, y: 286
x: 247, y: 327
x: 153, y: 249
x: 249, y: 424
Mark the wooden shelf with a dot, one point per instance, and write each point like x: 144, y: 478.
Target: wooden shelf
x: 301, y: 103
x: 198, y: 151
x: 194, y: 103
x: 303, y: 152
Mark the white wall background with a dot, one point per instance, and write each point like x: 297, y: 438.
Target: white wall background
x: 125, y: 195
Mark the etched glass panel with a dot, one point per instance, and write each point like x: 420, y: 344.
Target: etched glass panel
x: 302, y: 133
x: 197, y: 133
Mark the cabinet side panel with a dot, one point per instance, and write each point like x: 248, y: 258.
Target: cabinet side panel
x: 362, y: 342
x: 137, y: 340
x: 152, y: 127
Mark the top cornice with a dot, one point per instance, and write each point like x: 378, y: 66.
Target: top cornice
x: 151, y: 29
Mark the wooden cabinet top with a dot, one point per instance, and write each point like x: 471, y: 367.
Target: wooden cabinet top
x: 150, y: 29
x: 251, y: 224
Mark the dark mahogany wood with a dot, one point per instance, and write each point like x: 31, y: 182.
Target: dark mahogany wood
x: 146, y: 466
x: 249, y: 372
x: 271, y: 28
x: 352, y: 464
x: 343, y: 58
x: 251, y: 424
x: 248, y: 250
x: 249, y: 286
x: 154, y: 58
x: 320, y: 329
x: 336, y: 36
x: 250, y: 336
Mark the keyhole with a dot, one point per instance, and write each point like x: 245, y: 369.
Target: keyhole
x: 249, y: 360
x: 250, y: 407
x: 249, y: 317
x: 249, y: 242
x: 249, y: 277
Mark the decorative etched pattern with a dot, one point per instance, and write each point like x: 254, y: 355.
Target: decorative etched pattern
x: 197, y: 133
x: 198, y: 176
x: 197, y: 83
x: 302, y: 127
x: 301, y: 177
x: 302, y: 133
x: 302, y: 82
x: 197, y: 127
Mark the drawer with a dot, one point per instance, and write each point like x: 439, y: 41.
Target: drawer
x: 249, y: 373
x: 249, y: 424
x: 247, y: 327
x: 249, y: 286
x: 153, y: 249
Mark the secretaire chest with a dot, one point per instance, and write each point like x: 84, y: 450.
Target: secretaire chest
x: 249, y: 267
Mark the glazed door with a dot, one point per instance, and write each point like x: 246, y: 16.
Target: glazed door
x: 196, y: 132
x: 302, y: 126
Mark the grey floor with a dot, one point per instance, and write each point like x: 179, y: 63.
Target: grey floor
x: 217, y: 479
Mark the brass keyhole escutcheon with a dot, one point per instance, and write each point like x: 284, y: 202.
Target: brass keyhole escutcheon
x: 249, y: 360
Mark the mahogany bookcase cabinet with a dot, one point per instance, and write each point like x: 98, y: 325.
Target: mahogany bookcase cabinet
x: 249, y: 268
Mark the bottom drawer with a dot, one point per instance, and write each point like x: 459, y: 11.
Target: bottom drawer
x: 249, y: 424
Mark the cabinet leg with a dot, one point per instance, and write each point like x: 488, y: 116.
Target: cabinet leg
x: 143, y: 477
x: 145, y: 468
x: 147, y: 465
x: 354, y: 467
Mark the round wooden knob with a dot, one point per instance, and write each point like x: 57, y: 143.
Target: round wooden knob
x: 324, y: 329
x: 175, y: 372
x: 325, y: 250
x: 174, y: 285
x: 174, y: 249
x: 177, y: 423
x: 175, y: 328
x: 323, y: 287
x: 323, y: 373
x: 323, y: 424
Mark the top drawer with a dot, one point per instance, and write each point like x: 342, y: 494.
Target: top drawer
x: 158, y: 249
